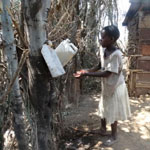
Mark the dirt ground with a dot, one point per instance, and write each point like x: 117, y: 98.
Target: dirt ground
x: 133, y: 134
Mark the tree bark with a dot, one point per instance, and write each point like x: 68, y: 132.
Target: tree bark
x: 10, y: 51
x: 40, y: 90
x: 91, y: 23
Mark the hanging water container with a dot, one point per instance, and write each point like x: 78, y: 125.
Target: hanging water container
x: 65, y: 51
x: 54, y: 65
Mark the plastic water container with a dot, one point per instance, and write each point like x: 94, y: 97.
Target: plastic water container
x: 65, y: 51
x: 54, y: 65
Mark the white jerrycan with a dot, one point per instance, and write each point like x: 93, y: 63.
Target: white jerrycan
x: 54, y: 65
x: 65, y: 51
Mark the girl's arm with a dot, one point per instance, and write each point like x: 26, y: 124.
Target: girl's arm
x: 97, y: 74
x: 84, y: 71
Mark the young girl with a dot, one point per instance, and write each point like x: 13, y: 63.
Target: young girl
x: 114, y: 101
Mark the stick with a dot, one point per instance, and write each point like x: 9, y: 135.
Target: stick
x: 59, y: 22
x: 21, y: 63
x: 17, y: 28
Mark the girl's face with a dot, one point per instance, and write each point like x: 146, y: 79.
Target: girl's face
x: 106, y: 41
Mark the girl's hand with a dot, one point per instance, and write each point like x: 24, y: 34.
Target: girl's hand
x: 80, y: 73
x: 76, y: 75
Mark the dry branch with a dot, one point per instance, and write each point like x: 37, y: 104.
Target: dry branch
x: 59, y: 22
x: 17, y: 28
x: 21, y: 63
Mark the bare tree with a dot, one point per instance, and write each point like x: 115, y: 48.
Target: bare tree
x: 10, y: 53
x: 41, y: 85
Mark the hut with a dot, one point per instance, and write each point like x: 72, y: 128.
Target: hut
x: 137, y: 21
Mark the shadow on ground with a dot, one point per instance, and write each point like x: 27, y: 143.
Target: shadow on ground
x: 133, y: 134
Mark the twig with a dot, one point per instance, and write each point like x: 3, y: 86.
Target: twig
x: 59, y: 29
x: 64, y: 34
x: 17, y: 28
x: 21, y: 63
x: 59, y: 22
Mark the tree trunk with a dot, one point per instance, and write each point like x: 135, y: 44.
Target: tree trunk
x: 40, y: 89
x: 91, y: 23
x: 10, y: 51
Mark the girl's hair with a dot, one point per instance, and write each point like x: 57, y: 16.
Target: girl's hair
x: 112, y: 31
